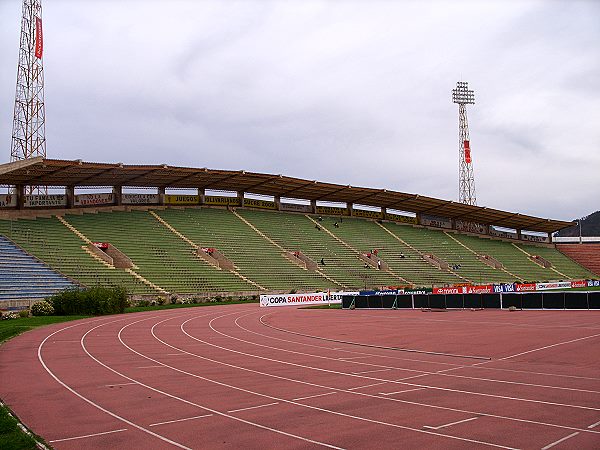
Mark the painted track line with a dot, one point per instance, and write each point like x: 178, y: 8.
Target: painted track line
x: 548, y: 346
x: 482, y: 394
x: 248, y: 422
x: 350, y: 390
x: 559, y: 441
x: 319, y: 395
x: 454, y: 423
x: 180, y: 420
x: 117, y: 384
x: 401, y: 392
x: 594, y: 425
x: 421, y: 373
x: 252, y: 407
x: 337, y: 413
x: 88, y: 435
x: 398, y: 349
x: 87, y: 400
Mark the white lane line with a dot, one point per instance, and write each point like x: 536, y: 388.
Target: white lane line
x: 349, y: 391
x: 451, y: 423
x: 117, y: 384
x: 252, y: 407
x: 367, y: 377
x: 174, y: 354
x: 421, y: 373
x: 559, y: 441
x: 313, y: 396
x: 188, y: 402
x: 594, y: 425
x: 548, y: 346
x: 353, y: 357
x: 180, y: 420
x: 400, y: 392
x: 87, y: 400
x: 88, y: 435
x: 148, y: 367
x: 371, y: 371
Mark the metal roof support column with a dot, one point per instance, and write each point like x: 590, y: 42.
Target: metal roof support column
x: 519, y: 235
x: 240, y: 196
x: 349, y: 207
x: 118, y: 193
x: 20, y: 192
x: 313, y: 206
x: 549, y: 237
x: 201, y: 194
x: 70, y: 193
x: 277, y: 200
x: 418, y: 217
x: 161, y: 195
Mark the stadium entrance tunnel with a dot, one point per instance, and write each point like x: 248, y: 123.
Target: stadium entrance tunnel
x: 534, y: 300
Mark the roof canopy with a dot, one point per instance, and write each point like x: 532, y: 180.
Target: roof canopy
x: 53, y: 172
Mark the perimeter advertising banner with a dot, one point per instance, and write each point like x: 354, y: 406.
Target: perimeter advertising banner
x: 139, y: 199
x: 533, y: 238
x: 332, y: 211
x: 94, y: 199
x: 261, y: 204
x: 36, y: 201
x: 221, y: 201
x: 294, y: 207
x: 317, y: 298
x: 401, y: 219
x: 368, y: 214
x: 436, y: 221
x: 8, y: 201
x: 181, y: 199
x: 556, y: 285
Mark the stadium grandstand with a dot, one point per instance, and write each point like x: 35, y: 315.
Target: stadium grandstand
x: 262, y: 233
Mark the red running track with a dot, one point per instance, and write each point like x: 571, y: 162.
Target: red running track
x: 241, y: 376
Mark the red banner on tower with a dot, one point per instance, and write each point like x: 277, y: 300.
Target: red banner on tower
x: 39, y: 38
x: 467, y: 152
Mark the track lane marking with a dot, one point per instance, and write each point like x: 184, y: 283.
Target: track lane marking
x: 393, y: 425
x: 264, y: 427
x: 180, y: 420
x: 117, y: 384
x: 594, y: 425
x: 451, y: 423
x: 371, y: 371
x: 313, y: 396
x: 421, y: 373
x: 88, y: 435
x: 350, y: 390
x: 559, y: 441
x: 548, y: 346
x: 87, y: 400
x: 460, y: 391
x: 252, y: 407
x: 401, y: 392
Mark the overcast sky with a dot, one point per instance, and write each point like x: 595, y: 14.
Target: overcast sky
x: 352, y: 92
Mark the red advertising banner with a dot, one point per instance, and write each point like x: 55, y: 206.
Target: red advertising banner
x: 483, y: 289
x: 579, y: 284
x: 39, y: 38
x: 448, y: 290
x: 467, y: 152
x: 527, y: 287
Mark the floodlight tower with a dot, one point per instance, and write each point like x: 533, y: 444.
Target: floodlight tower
x: 463, y: 96
x: 29, y: 128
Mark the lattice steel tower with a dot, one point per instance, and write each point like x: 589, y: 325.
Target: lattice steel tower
x: 29, y: 128
x: 463, y: 96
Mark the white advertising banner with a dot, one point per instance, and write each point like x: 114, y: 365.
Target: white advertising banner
x: 94, y: 199
x: 556, y: 285
x: 8, y: 200
x: 435, y: 221
x: 139, y: 199
x: 294, y: 207
x: 503, y: 234
x: 534, y: 238
x: 37, y: 201
x: 317, y: 298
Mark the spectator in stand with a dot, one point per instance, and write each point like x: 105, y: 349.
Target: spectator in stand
x: 379, y: 264
x: 320, y: 219
x: 322, y: 261
x: 336, y: 225
x: 318, y: 227
x: 401, y: 255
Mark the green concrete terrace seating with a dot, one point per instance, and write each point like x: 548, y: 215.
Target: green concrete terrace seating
x: 514, y: 260
x: 366, y: 235
x: 444, y: 247
x: 254, y: 256
x: 161, y: 256
x: 559, y: 261
x: 297, y: 232
x: 50, y: 241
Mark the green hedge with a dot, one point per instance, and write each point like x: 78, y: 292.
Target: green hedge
x: 94, y: 301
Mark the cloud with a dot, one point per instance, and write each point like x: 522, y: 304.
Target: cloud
x: 351, y: 92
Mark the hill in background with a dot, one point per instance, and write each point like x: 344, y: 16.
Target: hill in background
x: 590, y: 226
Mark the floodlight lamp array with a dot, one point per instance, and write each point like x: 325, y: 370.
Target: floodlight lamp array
x: 462, y: 94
